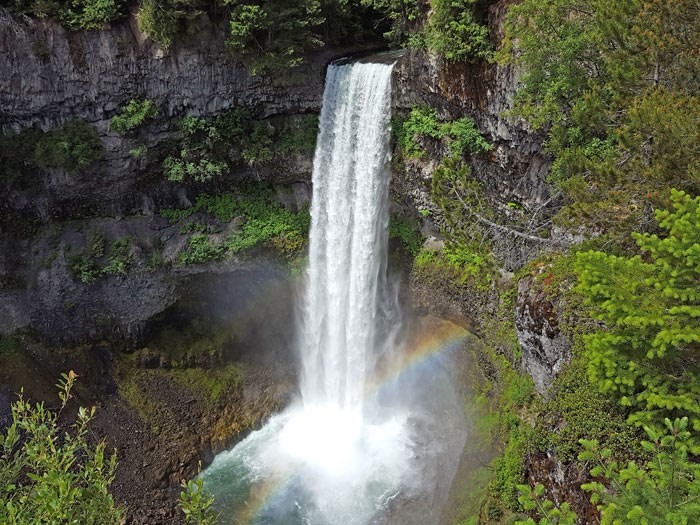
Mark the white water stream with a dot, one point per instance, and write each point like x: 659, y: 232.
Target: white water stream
x: 346, y: 452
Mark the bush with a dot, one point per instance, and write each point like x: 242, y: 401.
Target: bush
x: 133, y: 115
x: 665, y: 490
x: 455, y: 33
x: 646, y: 356
x: 51, y: 475
x: 200, y: 250
x: 460, y: 136
x: 407, y: 230
x: 265, y: 222
x: 71, y: 147
x: 164, y: 21
x: 120, y: 257
x: 90, y: 14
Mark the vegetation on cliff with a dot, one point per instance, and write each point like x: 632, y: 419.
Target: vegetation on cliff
x: 612, y: 87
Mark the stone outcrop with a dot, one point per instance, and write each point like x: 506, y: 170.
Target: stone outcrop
x: 545, y: 348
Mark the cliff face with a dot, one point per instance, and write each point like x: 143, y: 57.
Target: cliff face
x: 51, y: 76
x: 513, y: 175
x: 55, y: 75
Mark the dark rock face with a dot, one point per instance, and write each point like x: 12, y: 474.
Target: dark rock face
x: 53, y: 75
x: 545, y: 348
x: 514, y: 172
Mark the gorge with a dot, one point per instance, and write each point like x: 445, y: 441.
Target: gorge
x: 453, y: 283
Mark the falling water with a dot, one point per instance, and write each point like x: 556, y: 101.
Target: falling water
x: 345, y: 453
x: 347, y: 256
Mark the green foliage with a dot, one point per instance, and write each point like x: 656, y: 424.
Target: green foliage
x: 460, y: 136
x: 209, y: 147
x: 196, y: 504
x: 464, y: 265
x: 408, y: 231
x: 72, y: 147
x: 139, y: 151
x: 298, y: 135
x: 200, y: 250
x: 86, y: 266
x: 274, y: 35
x: 268, y: 222
x: 133, y: 115
x: 264, y: 221
x: 184, y: 168
x: 534, y: 500
x: 49, y: 472
x: 515, y: 392
x: 165, y: 21
x: 73, y: 14
x: 90, y: 14
x: 647, y: 354
x: 575, y: 410
x: 403, y: 18
x: 120, y: 257
x: 664, y: 491
x: 455, y: 32
x: 457, y: 193
x: 604, y: 78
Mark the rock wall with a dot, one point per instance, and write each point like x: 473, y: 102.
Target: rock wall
x: 545, y: 348
x: 54, y: 75
x: 51, y: 76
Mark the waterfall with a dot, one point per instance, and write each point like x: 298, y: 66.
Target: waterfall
x: 347, y: 253
x: 357, y: 447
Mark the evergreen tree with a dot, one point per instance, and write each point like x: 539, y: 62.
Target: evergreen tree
x: 648, y: 351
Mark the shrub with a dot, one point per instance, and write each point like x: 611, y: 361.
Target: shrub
x: 454, y: 31
x: 133, y: 115
x: 664, y: 490
x: 164, y: 21
x: 50, y: 473
x: 407, y: 230
x: 461, y: 135
x: 646, y: 355
x: 90, y: 14
x: 71, y: 147
x: 120, y: 257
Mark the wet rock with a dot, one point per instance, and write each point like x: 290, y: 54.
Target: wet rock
x: 545, y: 348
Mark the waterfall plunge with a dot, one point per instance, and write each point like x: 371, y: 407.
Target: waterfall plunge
x: 341, y: 455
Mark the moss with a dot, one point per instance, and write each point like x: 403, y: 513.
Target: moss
x: 10, y: 344
x: 575, y: 411
x: 209, y: 383
x: 131, y: 391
